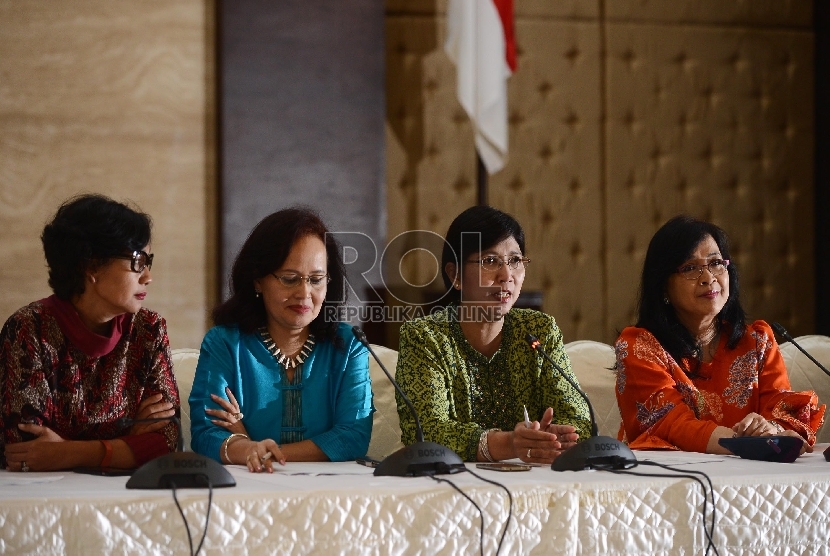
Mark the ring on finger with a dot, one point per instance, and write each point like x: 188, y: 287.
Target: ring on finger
x: 24, y: 468
x: 238, y: 415
x: 528, y: 453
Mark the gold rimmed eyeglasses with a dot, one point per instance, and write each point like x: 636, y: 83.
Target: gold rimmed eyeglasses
x: 316, y: 281
x: 695, y: 271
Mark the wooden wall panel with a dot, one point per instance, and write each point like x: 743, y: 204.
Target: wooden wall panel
x: 115, y: 98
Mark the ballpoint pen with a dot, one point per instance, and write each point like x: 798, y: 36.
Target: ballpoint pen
x: 527, y: 419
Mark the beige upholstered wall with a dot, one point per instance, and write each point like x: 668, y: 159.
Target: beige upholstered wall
x: 622, y: 114
x: 116, y: 98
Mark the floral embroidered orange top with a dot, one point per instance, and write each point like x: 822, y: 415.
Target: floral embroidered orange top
x: 664, y: 408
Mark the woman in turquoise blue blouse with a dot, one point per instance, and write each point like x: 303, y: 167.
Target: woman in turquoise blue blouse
x: 279, y: 379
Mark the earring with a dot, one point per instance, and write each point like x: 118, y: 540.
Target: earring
x: 457, y: 286
x: 258, y: 294
x: 666, y: 299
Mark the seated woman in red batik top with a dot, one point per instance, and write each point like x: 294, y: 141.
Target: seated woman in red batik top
x: 77, y: 367
x: 691, y: 371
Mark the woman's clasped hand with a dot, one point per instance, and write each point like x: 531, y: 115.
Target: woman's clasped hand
x: 543, y: 440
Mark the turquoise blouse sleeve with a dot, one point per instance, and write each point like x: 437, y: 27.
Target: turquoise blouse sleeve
x: 348, y: 437
x: 217, y: 368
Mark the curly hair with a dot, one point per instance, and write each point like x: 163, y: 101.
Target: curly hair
x: 265, y: 251
x: 671, y: 245
x: 476, y: 229
x: 85, y: 233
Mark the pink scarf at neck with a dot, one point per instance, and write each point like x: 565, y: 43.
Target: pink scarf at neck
x: 78, y: 334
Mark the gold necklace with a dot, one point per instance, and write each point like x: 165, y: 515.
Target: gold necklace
x: 707, y: 337
x: 283, y: 359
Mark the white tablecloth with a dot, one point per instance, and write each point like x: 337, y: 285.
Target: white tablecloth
x: 341, y: 508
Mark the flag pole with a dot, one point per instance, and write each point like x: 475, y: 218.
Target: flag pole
x: 481, y: 180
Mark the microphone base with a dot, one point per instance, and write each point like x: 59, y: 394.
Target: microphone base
x: 184, y: 469
x: 597, y: 452
x: 421, y: 459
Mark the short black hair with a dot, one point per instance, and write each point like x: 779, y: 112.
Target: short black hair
x: 671, y: 246
x: 85, y: 233
x: 265, y: 251
x: 474, y: 230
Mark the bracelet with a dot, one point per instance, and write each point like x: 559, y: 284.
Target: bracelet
x: 107, y: 454
x: 228, y: 441
x: 483, y: 445
x: 778, y: 428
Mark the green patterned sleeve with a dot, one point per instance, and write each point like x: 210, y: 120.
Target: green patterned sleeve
x: 423, y: 373
x: 569, y: 408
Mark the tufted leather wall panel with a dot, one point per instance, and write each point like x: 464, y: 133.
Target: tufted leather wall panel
x: 622, y: 114
x: 745, y: 13
x: 716, y: 122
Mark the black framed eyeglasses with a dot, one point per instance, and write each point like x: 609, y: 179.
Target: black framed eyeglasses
x: 492, y: 263
x: 316, y: 281
x: 695, y: 271
x: 139, y: 260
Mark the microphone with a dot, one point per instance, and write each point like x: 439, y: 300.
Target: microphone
x: 181, y: 469
x: 781, y: 331
x: 596, y: 452
x: 420, y: 459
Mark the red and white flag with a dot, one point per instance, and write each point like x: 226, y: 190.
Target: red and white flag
x: 480, y: 41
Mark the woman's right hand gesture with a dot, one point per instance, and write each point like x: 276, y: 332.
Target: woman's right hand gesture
x: 756, y: 425
x: 538, y: 443
x: 152, y: 407
x: 258, y: 456
x: 229, y: 417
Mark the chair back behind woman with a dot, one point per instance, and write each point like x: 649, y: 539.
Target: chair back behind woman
x: 184, y: 369
x: 805, y: 375
x: 386, y: 425
x: 592, y: 363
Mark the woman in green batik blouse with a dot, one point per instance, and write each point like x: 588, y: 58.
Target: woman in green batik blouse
x: 468, y: 368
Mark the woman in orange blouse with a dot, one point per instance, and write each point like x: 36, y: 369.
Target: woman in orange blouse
x: 692, y: 371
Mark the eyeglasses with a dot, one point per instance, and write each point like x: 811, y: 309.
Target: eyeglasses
x: 492, y: 263
x: 316, y: 281
x: 139, y: 260
x: 695, y: 271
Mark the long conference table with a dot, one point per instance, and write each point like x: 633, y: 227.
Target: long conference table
x: 341, y: 508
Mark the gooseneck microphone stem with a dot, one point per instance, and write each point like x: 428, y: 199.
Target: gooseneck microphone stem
x: 536, y: 345
x: 421, y: 458
x: 361, y: 337
x: 781, y: 331
x: 595, y: 452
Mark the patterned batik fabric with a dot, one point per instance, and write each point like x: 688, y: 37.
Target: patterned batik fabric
x: 459, y: 393
x: 663, y: 407
x: 45, y: 379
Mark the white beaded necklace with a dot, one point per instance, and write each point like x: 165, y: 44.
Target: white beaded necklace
x: 283, y: 359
